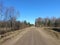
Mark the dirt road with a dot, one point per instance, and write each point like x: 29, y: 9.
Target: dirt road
x: 34, y: 36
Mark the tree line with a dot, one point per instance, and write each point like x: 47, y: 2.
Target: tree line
x: 8, y: 19
x: 47, y: 22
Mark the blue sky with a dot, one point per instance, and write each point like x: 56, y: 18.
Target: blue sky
x: 32, y: 9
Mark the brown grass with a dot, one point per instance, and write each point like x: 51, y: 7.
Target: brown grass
x: 53, y: 33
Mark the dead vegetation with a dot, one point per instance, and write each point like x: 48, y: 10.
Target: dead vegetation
x: 53, y: 33
x: 9, y: 35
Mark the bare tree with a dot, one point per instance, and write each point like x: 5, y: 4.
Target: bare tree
x: 12, y: 17
x: 38, y: 22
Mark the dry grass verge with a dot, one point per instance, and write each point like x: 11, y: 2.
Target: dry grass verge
x: 9, y: 35
x: 52, y: 33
